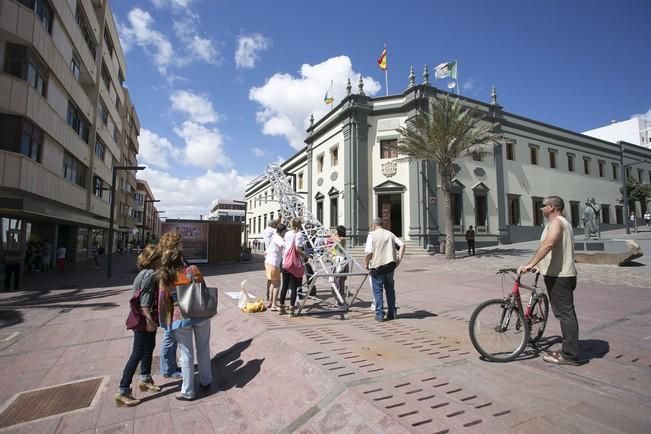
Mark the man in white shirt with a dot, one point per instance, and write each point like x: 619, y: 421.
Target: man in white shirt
x: 381, y: 261
x: 267, y: 234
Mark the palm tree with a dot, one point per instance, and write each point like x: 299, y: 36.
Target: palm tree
x: 447, y: 132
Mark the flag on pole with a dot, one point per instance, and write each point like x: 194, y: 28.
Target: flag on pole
x: 328, y: 99
x: 382, y: 61
x: 447, y: 69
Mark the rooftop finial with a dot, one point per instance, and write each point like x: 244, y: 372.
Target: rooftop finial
x: 412, y: 77
x: 493, y: 96
x: 426, y: 75
x: 349, y: 88
x: 360, y: 86
x: 311, y: 120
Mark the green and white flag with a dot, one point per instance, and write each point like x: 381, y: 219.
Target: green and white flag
x: 447, y: 69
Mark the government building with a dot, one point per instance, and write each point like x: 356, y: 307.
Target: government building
x: 66, y: 120
x: 349, y: 172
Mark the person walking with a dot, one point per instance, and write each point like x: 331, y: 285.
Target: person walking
x: 13, y: 259
x: 381, y: 261
x: 555, y: 261
x: 272, y: 259
x: 173, y: 272
x: 145, y: 287
x: 470, y: 240
x: 95, y: 252
x: 647, y: 218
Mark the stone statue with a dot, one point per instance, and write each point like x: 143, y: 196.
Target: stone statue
x: 591, y: 219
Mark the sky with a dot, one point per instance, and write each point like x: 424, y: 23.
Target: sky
x: 223, y: 88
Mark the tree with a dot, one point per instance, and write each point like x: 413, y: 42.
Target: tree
x: 637, y: 191
x: 445, y: 133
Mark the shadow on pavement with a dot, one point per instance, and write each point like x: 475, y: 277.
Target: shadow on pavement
x: 231, y: 370
x: 71, y: 299
x: 500, y: 253
x: 593, y: 349
x: 633, y: 264
x: 417, y: 314
x: 10, y: 318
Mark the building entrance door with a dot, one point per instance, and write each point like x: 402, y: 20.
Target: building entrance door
x: 390, y: 210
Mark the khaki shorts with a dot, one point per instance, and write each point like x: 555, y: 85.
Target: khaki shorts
x: 273, y: 273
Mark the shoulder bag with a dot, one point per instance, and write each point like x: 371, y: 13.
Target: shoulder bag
x: 196, y: 300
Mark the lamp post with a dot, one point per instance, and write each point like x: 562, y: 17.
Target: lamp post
x: 144, y: 215
x: 112, y: 214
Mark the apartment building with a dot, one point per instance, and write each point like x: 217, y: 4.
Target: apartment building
x: 350, y: 172
x: 146, y: 214
x: 66, y: 120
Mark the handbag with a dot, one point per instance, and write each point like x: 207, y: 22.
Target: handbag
x: 195, y: 299
x: 136, y: 320
x: 292, y: 262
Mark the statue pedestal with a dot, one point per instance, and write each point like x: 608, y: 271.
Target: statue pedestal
x: 606, y: 252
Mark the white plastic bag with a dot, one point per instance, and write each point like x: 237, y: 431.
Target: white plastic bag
x: 244, y: 296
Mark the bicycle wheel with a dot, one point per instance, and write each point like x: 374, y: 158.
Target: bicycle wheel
x: 496, y: 331
x: 539, y: 315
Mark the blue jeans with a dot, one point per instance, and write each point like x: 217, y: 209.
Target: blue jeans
x: 168, y: 364
x: 183, y: 336
x: 384, y: 281
x: 143, y: 348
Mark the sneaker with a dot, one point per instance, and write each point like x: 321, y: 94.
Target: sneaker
x: 282, y: 310
x: 379, y: 319
x: 176, y: 374
x: 126, y: 400
x: 180, y: 397
x: 558, y: 359
x: 148, y: 386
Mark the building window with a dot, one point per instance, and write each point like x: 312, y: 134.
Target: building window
x: 389, y: 148
x: 334, y: 211
x: 77, y: 121
x: 319, y: 163
x: 457, y: 208
x: 601, y: 166
x: 43, y: 11
x: 102, y: 113
x: 615, y: 167
x: 319, y: 210
x: 514, y: 210
x: 510, y: 150
x: 533, y: 152
x: 537, y: 211
x: 640, y: 175
x: 20, y: 136
x: 628, y: 173
x: 334, y: 156
x: 120, y: 77
x: 570, y: 162
x: 118, y: 105
x: 75, y: 65
x: 605, y: 214
x: 22, y: 62
x: 87, y: 34
x: 574, y: 213
x: 552, y: 159
x: 300, y: 181
x: 98, y: 186
x: 586, y: 165
x: 106, y: 77
x: 619, y: 215
x: 109, y: 42
x: 100, y: 149
x: 74, y: 170
x: 481, y: 211
x: 476, y: 156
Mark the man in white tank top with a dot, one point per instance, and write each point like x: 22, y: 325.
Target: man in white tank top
x: 555, y: 260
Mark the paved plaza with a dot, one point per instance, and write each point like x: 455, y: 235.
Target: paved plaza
x: 326, y: 372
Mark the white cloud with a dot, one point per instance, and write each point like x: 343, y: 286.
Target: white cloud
x: 203, y: 145
x: 204, y: 49
x: 287, y: 102
x: 468, y: 84
x: 140, y: 31
x: 185, y: 26
x: 248, y: 49
x: 155, y: 150
x: 190, y: 197
x: 258, y: 152
x: 172, y: 3
x: 197, y: 107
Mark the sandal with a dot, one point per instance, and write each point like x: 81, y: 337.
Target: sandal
x: 274, y: 308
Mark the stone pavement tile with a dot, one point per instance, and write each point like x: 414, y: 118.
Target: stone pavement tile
x: 190, y: 419
x: 48, y: 425
x: 347, y: 412
x: 158, y: 423
x: 621, y: 416
x: 110, y: 414
x: 19, y: 381
x: 81, y: 420
x: 118, y: 428
x: 226, y: 416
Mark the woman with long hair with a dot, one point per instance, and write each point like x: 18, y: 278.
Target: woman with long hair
x: 144, y: 335
x: 173, y: 272
x: 272, y: 259
x: 294, y: 235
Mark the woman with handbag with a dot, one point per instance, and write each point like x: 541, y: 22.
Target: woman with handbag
x: 293, y: 269
x: 172, y: 275
x: 143, y: 320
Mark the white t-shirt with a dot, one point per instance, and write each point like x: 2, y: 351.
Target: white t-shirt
x: 61, y: 253
x: 291, y: 235
x: 266, y: 236
x: 274, y: 254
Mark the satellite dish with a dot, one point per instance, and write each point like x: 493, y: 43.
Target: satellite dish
x: 452, y: 84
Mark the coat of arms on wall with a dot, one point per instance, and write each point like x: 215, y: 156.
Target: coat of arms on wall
x: 389, y: 169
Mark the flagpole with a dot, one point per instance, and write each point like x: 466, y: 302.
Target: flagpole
x: 386, y: 70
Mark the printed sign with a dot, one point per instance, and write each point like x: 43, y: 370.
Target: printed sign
x: 195, y: 239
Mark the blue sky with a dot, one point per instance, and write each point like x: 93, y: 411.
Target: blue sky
x: 224, y: 87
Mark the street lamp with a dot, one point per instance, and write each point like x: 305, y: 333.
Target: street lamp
x: 110, y: 240
x: 144, y: 214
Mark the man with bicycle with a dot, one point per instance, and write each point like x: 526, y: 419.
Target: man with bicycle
x: 555, y: 261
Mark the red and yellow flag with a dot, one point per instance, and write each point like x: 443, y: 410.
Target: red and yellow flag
x: 382, y: 61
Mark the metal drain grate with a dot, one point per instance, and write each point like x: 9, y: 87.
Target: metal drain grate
x: 37, y: 404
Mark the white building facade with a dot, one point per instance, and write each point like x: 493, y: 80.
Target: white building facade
x: 635, y: 130
x: 349, y: 173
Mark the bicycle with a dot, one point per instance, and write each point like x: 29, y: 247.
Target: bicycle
x: 493, y: 331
